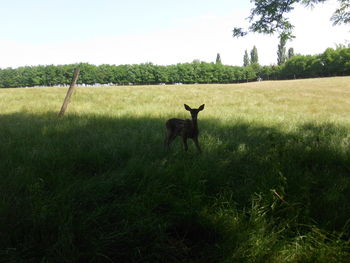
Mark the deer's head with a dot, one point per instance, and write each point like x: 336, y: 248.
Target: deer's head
x: 194, y: 112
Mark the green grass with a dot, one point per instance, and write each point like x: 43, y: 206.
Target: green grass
x: 272, y: 183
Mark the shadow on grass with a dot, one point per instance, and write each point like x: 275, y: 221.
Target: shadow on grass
x: 99, y: 189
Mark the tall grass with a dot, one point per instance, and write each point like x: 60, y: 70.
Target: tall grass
x: 272, y: 184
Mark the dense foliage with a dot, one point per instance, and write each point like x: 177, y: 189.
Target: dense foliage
x: 246, y: 60
x: 254, y: 58
x: 332, y: 62
x: 281, y: 51
x: 195, y: 72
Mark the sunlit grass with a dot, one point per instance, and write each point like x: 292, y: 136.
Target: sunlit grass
x: 321, y: 99
x: 272, y: 184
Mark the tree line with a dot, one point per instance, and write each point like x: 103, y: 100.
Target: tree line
x: 138, y: 74
x: 332, y: 62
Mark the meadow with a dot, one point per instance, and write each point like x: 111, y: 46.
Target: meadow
x: 272, y: 183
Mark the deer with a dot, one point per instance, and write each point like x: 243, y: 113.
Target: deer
x: 184, y: 128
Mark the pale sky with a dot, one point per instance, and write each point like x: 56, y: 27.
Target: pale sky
x: 163, y: 32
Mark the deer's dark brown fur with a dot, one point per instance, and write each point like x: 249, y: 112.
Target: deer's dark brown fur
x: 184, y: 128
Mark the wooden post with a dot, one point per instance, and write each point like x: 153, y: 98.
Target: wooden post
x: 69, y: 92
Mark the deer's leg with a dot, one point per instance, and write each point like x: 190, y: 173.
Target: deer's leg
x: 184, y: 139
x: 169, y: 138
x: 195, y: 140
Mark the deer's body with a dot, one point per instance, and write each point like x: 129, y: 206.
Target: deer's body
x: 179, y: 127
x: 184, y: 128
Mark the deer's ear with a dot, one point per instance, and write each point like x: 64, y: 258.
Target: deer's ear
x: 201, y: 107
x: 187, y: 107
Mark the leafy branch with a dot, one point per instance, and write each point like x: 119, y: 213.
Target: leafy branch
x: 269, y: 17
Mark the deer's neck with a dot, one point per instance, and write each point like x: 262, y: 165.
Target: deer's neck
x: 195, y: 124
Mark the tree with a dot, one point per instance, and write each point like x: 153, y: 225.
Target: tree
x: 281, y: 51
x: 249, y: 73
x: 218, y: 59
x: 246, y: 61
x: 265, y: 72
x: 254, y: 55
x: 290, y: 53
x: 269, y: 16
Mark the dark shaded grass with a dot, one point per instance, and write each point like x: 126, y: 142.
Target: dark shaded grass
x: 103, y: 189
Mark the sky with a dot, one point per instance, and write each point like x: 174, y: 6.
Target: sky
x: 163, y: 32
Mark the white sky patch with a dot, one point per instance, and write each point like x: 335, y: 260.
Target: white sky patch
x: 196, y: 38
x: 314, y: 31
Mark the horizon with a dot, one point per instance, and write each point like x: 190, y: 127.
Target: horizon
x: 157, y: 32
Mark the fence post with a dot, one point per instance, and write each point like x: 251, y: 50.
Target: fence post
x: 69, y: 92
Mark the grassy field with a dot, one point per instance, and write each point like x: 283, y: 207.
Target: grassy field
x: 272, y: 183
